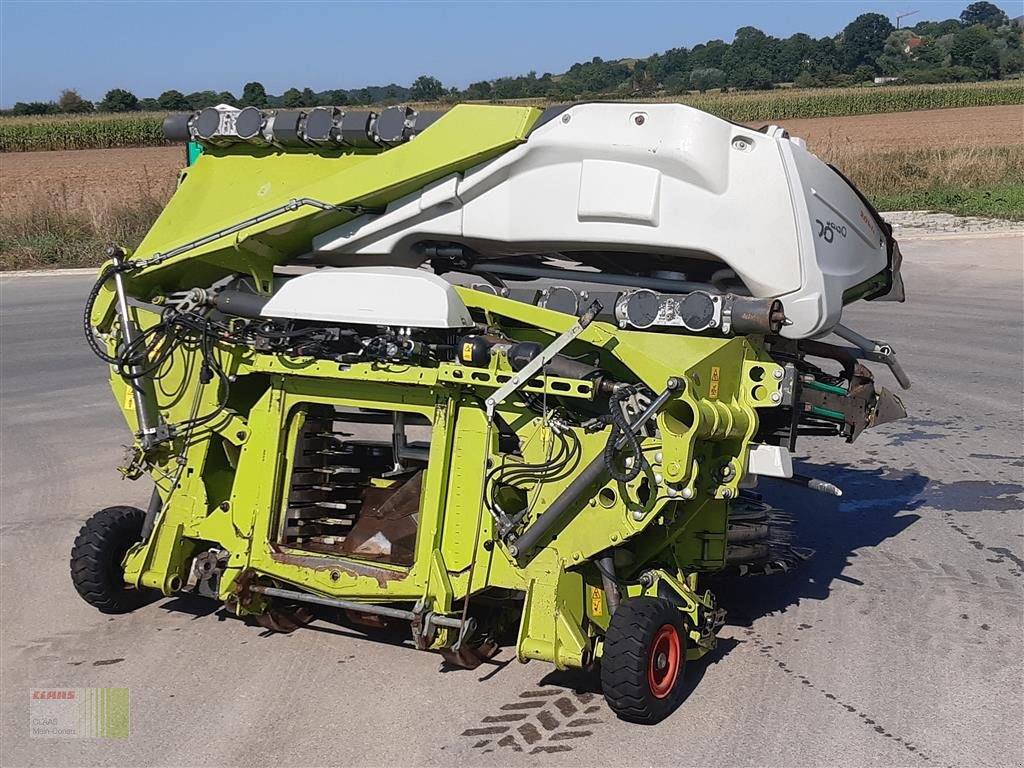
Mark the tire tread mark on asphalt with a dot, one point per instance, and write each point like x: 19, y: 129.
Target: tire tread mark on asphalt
x: 1003, y: 556
x: 570, y: 735
x: 977, y: 578
x: 524, y: 705
x: 765, y: 648
x: 485, y: 731
x: 965, y: 584
x: 509, y: 718
x: 538, y: 721
x: 530, y: 733
x: 551, y: 748
x: 1003, y: 552
x: 549, y: 721
x: 565, y: 707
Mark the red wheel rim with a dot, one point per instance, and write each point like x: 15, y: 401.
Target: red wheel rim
x: 664, y: 661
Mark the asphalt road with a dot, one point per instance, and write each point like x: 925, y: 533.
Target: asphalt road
x: 901, y: 643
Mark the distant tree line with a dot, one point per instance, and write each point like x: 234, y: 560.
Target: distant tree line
x: 982, y: 44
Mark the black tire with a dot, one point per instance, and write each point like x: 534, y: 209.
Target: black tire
x: 643, y: 660
x: 96, y: 559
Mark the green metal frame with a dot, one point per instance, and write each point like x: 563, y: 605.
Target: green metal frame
x: 230, y: 492
x: 669, y: 523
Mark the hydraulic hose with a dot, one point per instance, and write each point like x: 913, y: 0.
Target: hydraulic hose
x: 621, y: 429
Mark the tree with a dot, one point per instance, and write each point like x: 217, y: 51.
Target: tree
x: 753, y: 77
x: 254, y: 95
x: 706, y: 79
x: 365, y: 97
x: 986, y: 61
x: 508, y: 88
x: 34, y: 108
x: 1011, y: 61
x: 70, y: 101
x: 479, y: 91
x: 149, y: 104
x: 642, y: 83
x: 292, y: 98
x: 119, y: 100
x: 806, y: 80
x: 863, y: 40
x: 751, y: 48
x: 203, y: 99
x: 937, y: 28
x: 426, y: 88
x: 595, y: 76
x: 309, y: 98
x: 983, y: 13
x: 336, y: 98
x: 827, y: 56
x: 709, y: 55
x: 226, y: 97
x: 673, y: 62
x: 173, y: 101
x: 967, y: 41
x: 795, y: 55
x: 930, y: 53
x: 864, y: 74
x: 895, y: 54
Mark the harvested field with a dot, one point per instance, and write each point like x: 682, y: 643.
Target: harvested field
x: 931, y: 129
x: 123, y: 174
x: 58, y: 208
x: 87, y: 177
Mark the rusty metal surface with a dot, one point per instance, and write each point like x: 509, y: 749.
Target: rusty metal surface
x: 285, y: 618
x: 386, y: 527
x: 344, y: 565
x: 470, y: 657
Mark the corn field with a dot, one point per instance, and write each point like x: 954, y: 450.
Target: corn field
x: 103, y: 131
x: 28, y: 134
x: 835, y: 102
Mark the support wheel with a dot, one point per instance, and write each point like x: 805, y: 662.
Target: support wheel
x: 96, y: 559
x: 643, y: 660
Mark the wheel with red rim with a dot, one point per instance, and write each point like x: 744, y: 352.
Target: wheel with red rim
x: 643, y: 660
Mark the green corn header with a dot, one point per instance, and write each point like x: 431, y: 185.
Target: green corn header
x: 329, y: 426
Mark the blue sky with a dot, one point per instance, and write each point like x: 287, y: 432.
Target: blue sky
x: 149, y: 47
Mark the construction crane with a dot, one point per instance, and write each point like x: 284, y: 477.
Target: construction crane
x: 901, y: 16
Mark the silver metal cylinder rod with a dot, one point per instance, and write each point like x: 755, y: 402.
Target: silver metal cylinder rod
x: 351, y: 605
x: 611, y: 589
x: 146, y: 419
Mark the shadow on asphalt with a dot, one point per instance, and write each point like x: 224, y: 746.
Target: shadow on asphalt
x: 873, y: 508
x: 193, y: 605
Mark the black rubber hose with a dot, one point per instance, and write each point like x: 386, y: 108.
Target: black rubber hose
x: 620, y: 427
x: 90, y: 302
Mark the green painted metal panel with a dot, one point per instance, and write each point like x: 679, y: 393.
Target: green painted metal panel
x: 228, y: 185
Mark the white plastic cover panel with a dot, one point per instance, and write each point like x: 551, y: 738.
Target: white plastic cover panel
x: 650, y: 178
x: 394, y: 296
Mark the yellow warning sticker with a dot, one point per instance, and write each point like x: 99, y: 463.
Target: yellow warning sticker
x: 716, y: 374
x: 467, y: 352
x: 596, y: 602
x: 129, y: 399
